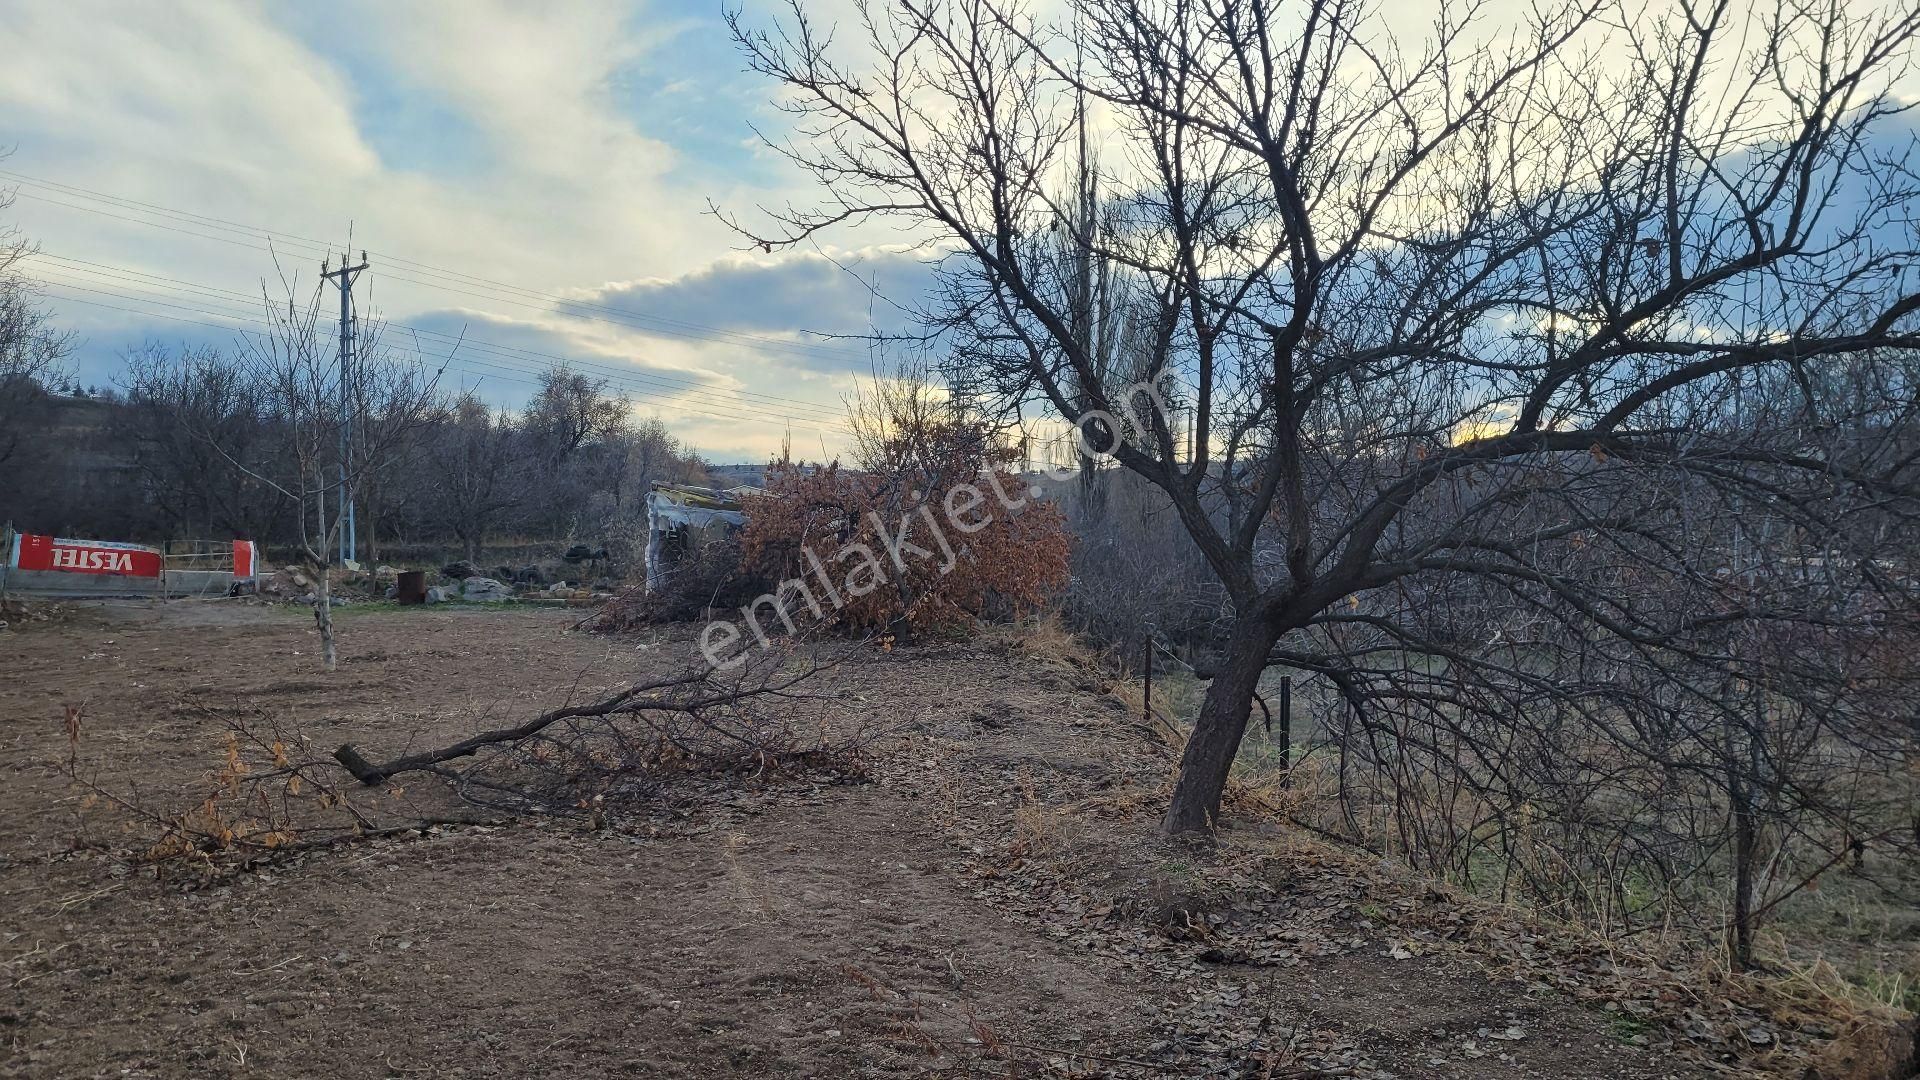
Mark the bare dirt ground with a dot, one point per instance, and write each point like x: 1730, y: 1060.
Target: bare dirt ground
x: 993, y: 903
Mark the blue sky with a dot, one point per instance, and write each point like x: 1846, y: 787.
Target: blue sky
x: 560, y: 158
x: 532, y: 178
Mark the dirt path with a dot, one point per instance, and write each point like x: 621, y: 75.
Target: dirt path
x: 993, y: 905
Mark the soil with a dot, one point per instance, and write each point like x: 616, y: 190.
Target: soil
x: 993, y: 903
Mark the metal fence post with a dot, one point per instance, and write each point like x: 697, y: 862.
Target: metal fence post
x: 1146, y: 689
x: 1286, y: 724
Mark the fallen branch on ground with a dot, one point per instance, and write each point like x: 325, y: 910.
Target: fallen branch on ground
x: 668, y: 738
x: 628, y: 700
x: 576, y: 760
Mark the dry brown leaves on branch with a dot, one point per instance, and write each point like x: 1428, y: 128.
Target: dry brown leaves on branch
x: 841, y: 520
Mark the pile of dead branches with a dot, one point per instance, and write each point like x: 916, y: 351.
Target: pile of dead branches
x: 664, y: 743
x: 706, y: 580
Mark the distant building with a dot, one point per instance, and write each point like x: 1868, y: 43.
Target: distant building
x: 731, y: 477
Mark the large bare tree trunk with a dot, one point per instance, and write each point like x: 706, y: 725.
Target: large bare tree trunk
x: 323, y: 615
x: 1093, y: 492
x: 1218, y: 729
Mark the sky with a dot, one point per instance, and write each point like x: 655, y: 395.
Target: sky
x: 531, y: 180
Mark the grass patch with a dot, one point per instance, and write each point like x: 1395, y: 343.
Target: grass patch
x: 1627, y: 1028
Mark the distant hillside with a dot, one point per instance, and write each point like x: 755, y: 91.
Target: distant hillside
x: 726, y: 476
x: 70, y: 474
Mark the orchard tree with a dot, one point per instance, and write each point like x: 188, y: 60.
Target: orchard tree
x: 292, y: 377
x: 197, y: 432
x: 1579, y: 317
x: 573, y: 428
x: 473, y: 455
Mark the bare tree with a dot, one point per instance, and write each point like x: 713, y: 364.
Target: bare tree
x: 572, y: 411
x: 190, y: 416
x: 1458, y: 317
x: 471, y: 453
x: 294, y: 374
x: 31, y: 348
x: 642, y: 452
x: 574, y: 430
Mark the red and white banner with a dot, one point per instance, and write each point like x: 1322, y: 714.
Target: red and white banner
x: 245, y: 556
x: 35, y: 552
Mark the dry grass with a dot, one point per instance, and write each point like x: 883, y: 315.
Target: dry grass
x: 1047, y: 816
x: 1279, y: 818
x: 1040, y: 831
x: 1046, y: 638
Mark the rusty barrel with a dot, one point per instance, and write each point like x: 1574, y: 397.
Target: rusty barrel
x: 411, y: 588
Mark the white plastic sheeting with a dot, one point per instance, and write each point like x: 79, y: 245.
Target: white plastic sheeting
x: 669, y: 508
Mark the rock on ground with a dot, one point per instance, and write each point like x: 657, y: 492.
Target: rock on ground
x: 485, y: 589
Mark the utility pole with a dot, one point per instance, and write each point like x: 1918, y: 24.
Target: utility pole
x: 343, y: 279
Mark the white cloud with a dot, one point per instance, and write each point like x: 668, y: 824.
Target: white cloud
x: 292, y: 119
x: 195, y: 82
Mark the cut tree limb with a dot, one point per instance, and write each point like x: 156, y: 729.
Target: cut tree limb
x: 658, y: 694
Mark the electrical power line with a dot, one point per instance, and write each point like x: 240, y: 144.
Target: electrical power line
x: 492, y: 289
x: 786, y: 412
x: 419, y: 356
x: 786, y: 408
x: 425, y: 359
x: 462, y: 351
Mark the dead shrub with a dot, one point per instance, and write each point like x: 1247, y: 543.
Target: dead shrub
x: 930, y: 474
x: 839, y: 519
